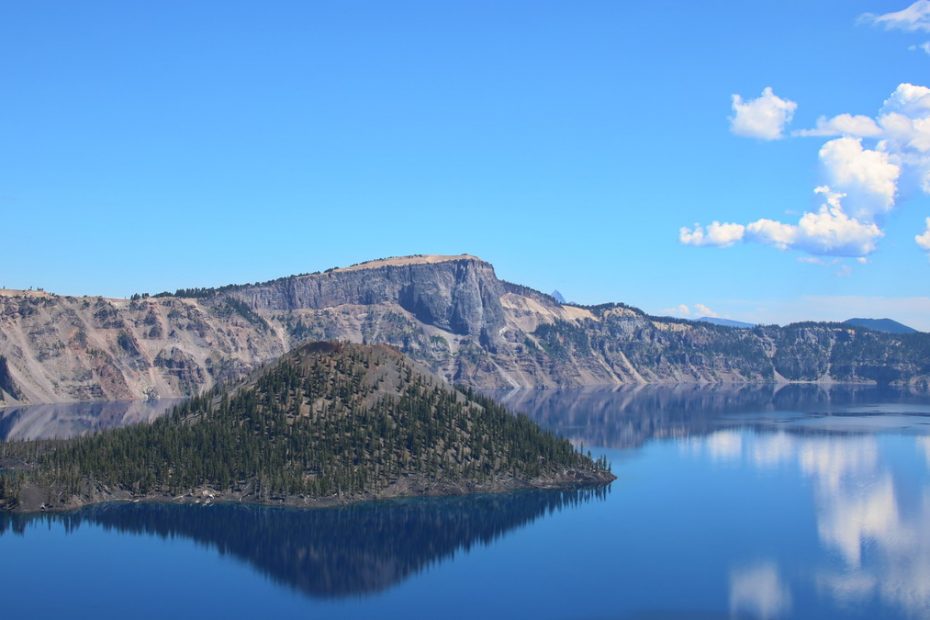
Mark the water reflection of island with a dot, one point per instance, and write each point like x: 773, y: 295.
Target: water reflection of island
x: 629, y: 416
x: 333, y: 552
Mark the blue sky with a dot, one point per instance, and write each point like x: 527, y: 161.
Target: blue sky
x: 153, y: 146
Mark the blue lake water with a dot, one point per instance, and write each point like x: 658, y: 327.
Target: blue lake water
x: 730, y: 503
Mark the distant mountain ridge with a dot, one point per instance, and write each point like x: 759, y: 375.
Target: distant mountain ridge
x: 450, y: 313
x: 726, y: 322
x: 889, y: 326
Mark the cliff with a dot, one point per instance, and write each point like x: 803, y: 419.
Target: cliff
x: 451, y: 313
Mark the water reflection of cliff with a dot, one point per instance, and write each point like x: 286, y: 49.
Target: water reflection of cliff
x: 619, y: 417
x: 332, y: 552
x: 631, y: 415
x: 60, y: 420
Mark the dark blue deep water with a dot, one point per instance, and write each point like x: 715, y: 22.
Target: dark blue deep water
x: 799, y: 502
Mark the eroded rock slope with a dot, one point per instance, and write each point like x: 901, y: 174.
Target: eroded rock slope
x: 451, y: 313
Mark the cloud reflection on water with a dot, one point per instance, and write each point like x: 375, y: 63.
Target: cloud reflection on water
x: 759, y: 591
x: 881, y: 541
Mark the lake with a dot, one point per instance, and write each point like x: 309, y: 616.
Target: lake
x: 753, y: 502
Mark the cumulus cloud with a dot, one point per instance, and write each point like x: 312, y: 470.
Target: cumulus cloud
x: 868, y: 175
x: 923, y: 239
x: 716, y: 234
x: 782, y: 236
x: 764, y: 117
x: 915, y: 17
x: 856, y: 125
x: 867, y: 164
x: 909, y: 99
x: 686, y: 311
x: 705, y: 311
x: 829, y: 231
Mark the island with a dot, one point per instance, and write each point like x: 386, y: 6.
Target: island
x: 325, y: 424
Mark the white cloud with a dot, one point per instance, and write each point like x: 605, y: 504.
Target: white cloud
x: 910, y: 99
x: 717, y: 234
x: 923, y: 240
x: 868, y: 176
x: 872, y: 176
x: 764, y: 117
x: 904, y: 132
x: 828, y: 231
x: 782, y: 236
x: 857, y: 125
x: 915, y: 17
x: 704, y: 311
x: 686, y: 311
x: 867, y: 163
x: 924, y: 47
x: 831, y: 231
x: 905, y: 123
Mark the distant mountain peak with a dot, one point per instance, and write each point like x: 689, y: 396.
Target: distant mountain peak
x: 889, y: 326
x: 556, y: 295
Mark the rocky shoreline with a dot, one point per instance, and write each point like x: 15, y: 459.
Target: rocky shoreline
x: 35, y: 499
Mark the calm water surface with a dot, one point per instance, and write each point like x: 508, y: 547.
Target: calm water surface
x: 747, y: 503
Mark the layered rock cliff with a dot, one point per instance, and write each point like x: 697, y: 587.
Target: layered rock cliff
x: 451, y: 313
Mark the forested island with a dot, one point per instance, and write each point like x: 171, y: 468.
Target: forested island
x: 325, y: 424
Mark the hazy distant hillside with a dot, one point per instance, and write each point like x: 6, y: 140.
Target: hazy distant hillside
x: 450, y: 313
x: 888, y: 326
x: 726, y: 322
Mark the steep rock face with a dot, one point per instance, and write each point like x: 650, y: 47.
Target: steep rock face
x: 461, y: 295
x: 84, y: 348
x: 8, y: 387
x: 451, y: 313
